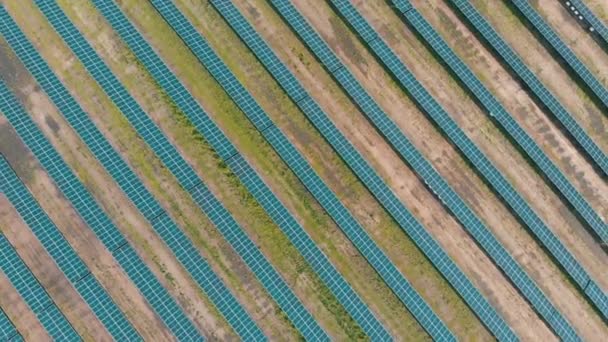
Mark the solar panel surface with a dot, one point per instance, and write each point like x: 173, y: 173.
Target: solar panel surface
x: 545, y: 30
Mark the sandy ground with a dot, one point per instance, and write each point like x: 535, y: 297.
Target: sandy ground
x: 48, y: 274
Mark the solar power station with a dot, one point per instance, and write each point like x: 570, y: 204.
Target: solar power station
x: 302, y: 234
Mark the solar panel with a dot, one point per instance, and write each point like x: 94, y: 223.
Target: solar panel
x: 596, y: 23
x: 64, y: 256
x: 545, y: 30
x: 301, y: 168
x: 34, y: 295
x: 252, y: 181
x: 8, y: 332
x: 158, y: 297
x: 549, y: 240
x: 187, y: 177
x: 465, y: 215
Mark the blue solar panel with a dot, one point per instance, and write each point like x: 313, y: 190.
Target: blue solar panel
x: 301, y: 168
x: 64, y: 256
x: 38, y: 300
x: 594, y: 21
x: 252, y: 181
x: 545, y: 30
x: 8, y: 332
x: 549, y: 240
x: 185, y: 174
x: 158, y: 297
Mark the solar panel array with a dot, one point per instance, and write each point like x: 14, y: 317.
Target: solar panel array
x: 64, y: 255
x: 562, y: 49
x: 183, y: 249
x: 252, y: 181
x: 8, y: 332
x: 491, y: 174
x: 34, y: 295
x: 483, y: 236
x: 186, y: 176
x: 439, y: 186
x: 549, y: 240
x: 497, y: 111
x: 404, y: 147
x: 302, y: 169
x: 597, y: 24
x: 158, y: 297
x: 535, y: 85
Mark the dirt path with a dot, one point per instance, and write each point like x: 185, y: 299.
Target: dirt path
x: 50, y: 277
x: 523, y: 177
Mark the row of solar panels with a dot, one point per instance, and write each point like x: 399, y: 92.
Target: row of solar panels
x: 448, y: 196
x: 95, y: 218
x: 595, y: 22
x: 34, y: 295
x: 64, y: 256
x: 298, y: 164
x: 498, y: 182
x: 535, y: 85
x: 209, y: 130
x: 320, y: 119
x: 202, y: 195
x: 186, y: 177
x: 549, y: 240
x: 409, y: 153
x: 545, y: 30
x: 8, y: 331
